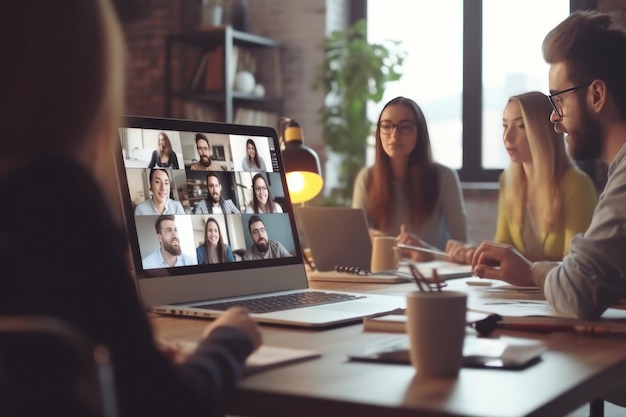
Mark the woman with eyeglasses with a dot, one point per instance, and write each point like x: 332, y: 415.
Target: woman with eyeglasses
x: 262, y: 201
x: 544, y: 198
x: 405, y: 193
x: 214, y: 250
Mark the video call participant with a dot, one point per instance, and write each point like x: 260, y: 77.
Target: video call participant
x: 164, y: 156
x: 262, y: 247
x: 160, y: 201
x: 213, y: 250
x: 405, y: 193
x: 214, y: 203
x: 91, y: 289
x: 556, y: 200
x: 170, y: 253
x: 262, y: 201
x: 204, y: 152
x: 252, y: 162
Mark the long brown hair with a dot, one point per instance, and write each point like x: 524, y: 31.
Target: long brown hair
x: 255, y: 160
x: 421, y: 186
x: 168, y: 146
x: 221, y: 248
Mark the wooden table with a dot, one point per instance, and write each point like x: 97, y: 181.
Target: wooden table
x: 575, y: 370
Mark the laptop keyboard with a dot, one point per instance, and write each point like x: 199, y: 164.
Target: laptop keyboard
x: 283, y: 302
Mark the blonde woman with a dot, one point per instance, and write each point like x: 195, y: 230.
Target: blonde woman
x: 67, y: 73
x: 544, y: 199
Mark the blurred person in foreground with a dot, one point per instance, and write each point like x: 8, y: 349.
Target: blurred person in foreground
x: 66, y: 73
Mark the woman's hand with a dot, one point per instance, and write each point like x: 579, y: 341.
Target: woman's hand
x: 407, y: 238
x: 237, y: 317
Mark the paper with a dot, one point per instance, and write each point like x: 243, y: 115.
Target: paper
x: 445, y: 269
x: 265, y: 357
x: 379, y: 278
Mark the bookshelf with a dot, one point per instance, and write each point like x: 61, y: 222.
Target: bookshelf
x: 200, y: 72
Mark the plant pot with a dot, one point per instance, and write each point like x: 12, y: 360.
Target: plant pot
x: 212, y: 15
x: 244, y: 82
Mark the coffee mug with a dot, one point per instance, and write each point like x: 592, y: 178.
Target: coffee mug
x: 436, y: 330
x: 384, y: 254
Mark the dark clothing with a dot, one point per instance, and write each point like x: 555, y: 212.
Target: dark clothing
x: 172, y: 161
x: 69, y: 260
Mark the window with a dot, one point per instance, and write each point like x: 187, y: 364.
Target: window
x: 466, y: 58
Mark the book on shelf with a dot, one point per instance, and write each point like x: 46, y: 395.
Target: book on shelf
x: 200, y: 112
x: 199, y: 73
x: 247, y: 116
x: 214, y: 80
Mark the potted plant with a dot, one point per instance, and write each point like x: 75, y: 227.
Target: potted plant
x: 354, y: 72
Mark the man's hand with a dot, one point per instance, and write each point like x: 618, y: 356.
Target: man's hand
x: 460, y: 252
x: 512, y: 266
x: 237, y: 317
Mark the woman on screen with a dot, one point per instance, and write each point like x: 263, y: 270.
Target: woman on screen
x: 405, y: 193
x: 213, y: 250
x: 544, y: 199
x: 262, y: 201
x: 252, y: 161
x: 81, y: 274
x: 164, y: 156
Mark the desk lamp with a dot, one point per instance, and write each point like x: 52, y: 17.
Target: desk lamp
x: 302, y: 164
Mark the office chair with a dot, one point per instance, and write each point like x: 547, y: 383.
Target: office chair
x: 49, y: 367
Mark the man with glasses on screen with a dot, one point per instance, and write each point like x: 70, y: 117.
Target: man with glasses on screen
x: 262, y: 247
x: 204, y: 153
x: 214, y: 203
x: 587, y: 57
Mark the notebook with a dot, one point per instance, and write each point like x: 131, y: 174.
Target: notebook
x: 352, y: 247
x: 270, y: 268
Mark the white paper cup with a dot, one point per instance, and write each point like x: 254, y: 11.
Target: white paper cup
x: 436, y: 330
x: 384, y: 254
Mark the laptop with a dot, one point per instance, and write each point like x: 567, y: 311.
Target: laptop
x: 173, y: 283
x: 351, y: 249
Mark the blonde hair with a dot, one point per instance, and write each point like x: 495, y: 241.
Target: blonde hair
x: 62, y: 93
x: 550, y: 162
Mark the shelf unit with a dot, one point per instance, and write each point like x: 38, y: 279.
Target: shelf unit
x: 215, y: 51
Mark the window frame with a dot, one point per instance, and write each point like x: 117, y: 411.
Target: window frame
x: 472, y: 100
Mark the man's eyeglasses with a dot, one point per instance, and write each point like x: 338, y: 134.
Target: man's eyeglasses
x: 202, y: 148
x: 555, y: 100
x: 403, y: 127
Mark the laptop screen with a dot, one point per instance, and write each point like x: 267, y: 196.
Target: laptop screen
x: 207, y: 210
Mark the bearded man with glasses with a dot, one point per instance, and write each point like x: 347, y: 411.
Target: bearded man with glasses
x: 587, y: 57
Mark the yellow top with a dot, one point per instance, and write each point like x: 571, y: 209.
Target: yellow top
x: 579, y: 202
